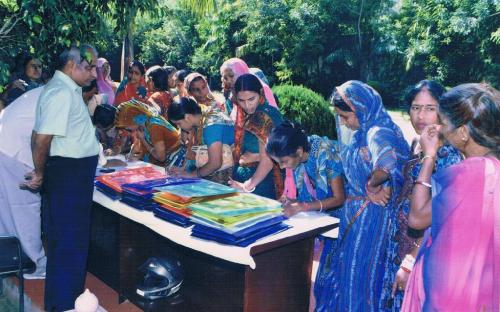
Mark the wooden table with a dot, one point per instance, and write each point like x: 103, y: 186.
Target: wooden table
x: 281, y: 280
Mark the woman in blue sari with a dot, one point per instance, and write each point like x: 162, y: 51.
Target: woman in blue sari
x: 423, y: 107
x: 458, y: 265
x: 372, y: 151
x: 317, y: 170
x: 253, y: 170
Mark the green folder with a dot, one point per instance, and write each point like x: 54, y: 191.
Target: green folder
x: 240, y: 204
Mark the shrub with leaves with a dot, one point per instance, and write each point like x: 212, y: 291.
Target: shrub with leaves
x: 310, y: 109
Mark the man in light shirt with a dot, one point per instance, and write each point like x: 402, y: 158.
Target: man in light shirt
x: 20, y: 209
x: 65, y: 151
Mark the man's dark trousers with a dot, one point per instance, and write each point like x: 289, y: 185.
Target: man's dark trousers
x: 68, y: 186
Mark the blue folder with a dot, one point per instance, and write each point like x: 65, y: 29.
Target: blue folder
x: 137, y: 202
x: 171, y: 217
x: 106, y: 190
x: 224, y: 238
x: 150, y: 184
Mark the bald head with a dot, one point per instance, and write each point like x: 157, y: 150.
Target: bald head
x: 79, y: 64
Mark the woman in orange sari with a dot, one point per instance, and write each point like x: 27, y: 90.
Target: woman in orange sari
x: 158, y: 95
x: 156, y: 140
x: 134, y: 86
x: 196, y: 86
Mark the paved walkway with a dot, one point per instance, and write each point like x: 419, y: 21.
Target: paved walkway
x: 34, y: 290
x: 403, y: 121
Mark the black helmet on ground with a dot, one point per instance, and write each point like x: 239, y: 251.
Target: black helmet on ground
x: 162, y: 278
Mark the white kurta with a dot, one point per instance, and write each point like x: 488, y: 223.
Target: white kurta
x: 19, y: 209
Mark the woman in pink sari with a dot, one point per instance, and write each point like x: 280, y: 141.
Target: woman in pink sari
x: 104, y: 83
x: 458, y: 267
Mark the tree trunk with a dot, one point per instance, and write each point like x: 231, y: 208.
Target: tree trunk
x: 361, y: 60
x: 128, y: 45
x: 122, y: 64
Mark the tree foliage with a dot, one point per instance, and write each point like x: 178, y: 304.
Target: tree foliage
x: 47, y: 26
x: 316, y: 43
x: 453, y: 41
x: 10, y: 35
x: 53, y: 24
x: 200, y: 8
x: 322, y: 43
x: 168, y: 41
x: 220, y: 36
x: 310, y: 109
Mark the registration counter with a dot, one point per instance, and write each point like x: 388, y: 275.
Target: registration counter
x: 272, y: 274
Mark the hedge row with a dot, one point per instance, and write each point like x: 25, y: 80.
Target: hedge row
x: 310, y: 109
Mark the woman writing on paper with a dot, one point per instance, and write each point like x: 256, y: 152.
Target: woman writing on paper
x: 209, y: 132
x: 253, y: 170
x: 317, y: 170
x: 156, y: 140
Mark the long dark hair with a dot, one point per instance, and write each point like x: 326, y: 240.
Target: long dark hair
x: 435, y: 89
x: 178, y: 110
x: 169, y: 70
x: 285, y: 139
x: 248, y: 82
x: 476, y: 105
x: 159, y: 77
x: 181, y: 74
x: 21, y: 60
x: 139, y: 65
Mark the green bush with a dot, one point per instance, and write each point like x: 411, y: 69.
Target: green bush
x: 310, y: 109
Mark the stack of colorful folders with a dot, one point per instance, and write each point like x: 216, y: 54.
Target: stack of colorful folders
x: 174, y: 200
x: 139, y: 194
x: 111, y: 184
x: 237, y: 220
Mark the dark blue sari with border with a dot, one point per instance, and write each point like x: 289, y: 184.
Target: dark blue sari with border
x: 351, y: 268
